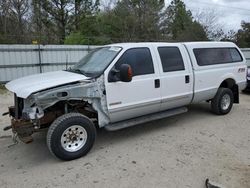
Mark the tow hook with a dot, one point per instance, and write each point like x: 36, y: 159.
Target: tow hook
x: 7, y: 128
x: 5, y: 113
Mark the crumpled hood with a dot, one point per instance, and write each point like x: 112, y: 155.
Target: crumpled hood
x: 23, y: 87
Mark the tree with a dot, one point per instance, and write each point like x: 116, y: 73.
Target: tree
x: 229, y: 36
x: 85, y: 23
x: 57, y: 12
x: 4, y: 20
x: 83, y: 8
x: 4, y: 15
x: 44, y: 27
x: 209, y: 19
x: 14, y: 19
x: 135, y: 20
x: 178, y: 24
x: 193, y: 32
x: 128, y: 20
x: 18, y: 10
x: 90, y: 32
x: 243, y: 35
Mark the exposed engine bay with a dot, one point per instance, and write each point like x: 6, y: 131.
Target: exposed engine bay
x: 40, y: 109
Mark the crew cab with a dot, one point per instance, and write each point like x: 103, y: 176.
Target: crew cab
x: 122, y: 85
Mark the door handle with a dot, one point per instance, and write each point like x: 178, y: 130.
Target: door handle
x: 157, y: 83
x: 187, y: 79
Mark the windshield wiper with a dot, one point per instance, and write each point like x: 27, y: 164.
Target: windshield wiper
x: 79, y: 71
x: 76, y: 71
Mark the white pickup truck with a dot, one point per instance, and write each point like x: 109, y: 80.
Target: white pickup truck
x: 121, y: 85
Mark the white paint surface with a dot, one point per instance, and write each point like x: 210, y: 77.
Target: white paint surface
x: 25, y: 86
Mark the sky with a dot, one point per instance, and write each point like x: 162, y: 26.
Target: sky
x: 230, y: 12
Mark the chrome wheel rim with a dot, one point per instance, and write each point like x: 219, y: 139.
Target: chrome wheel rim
x: 225, y: 102
x: 74, y: 138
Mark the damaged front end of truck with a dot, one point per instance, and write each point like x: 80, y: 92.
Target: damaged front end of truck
x: 37, y: 111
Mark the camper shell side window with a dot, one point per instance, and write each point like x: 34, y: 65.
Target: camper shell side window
x: 214, y: 56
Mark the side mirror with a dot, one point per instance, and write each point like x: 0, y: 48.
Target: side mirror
x: 126, y: 73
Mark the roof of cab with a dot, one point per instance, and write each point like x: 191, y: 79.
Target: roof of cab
x: 209, y: 44
x: 189, y: 44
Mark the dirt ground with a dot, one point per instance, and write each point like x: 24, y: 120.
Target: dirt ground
x: 179, y: 152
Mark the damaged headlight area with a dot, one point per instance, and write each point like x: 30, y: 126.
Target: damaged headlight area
x: 27, y: 117
x: 40, y: 109
x: 25, y: 109
x: 32, y: 113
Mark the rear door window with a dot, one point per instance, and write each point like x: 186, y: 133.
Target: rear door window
x: 171, y: 59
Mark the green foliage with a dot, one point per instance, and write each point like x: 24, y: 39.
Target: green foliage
x: 82, y: 9
x: 91, y: 31
x: 193, y: 32
x: 178, y: 18
x: 58, y: 11
x: 132, y: 20
x: 84, y: 22
x: 80, y: 39
x: 178, y: 24
x: 138, y: 20
x: 243, y: 35
x: 75, y: 38
x: 14, y: 21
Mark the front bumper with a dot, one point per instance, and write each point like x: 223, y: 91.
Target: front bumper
x: 24, y: 128
x: 20, y: 127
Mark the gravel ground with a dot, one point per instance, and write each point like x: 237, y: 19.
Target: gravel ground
x: 179, y: 152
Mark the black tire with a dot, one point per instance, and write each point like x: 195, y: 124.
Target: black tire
x: 62, y: 124
x: 217, y: 101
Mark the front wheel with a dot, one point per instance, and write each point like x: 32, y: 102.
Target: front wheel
x: 71, y: 136
x: 222, y: 103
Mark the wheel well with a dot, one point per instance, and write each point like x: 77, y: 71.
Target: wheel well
x: 64, y: 107
x: 231, y: 84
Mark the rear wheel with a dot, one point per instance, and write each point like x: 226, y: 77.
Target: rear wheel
x: 222, y: 103
x: 71, y: 136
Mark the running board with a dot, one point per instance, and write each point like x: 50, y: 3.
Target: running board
x: 144, y: 119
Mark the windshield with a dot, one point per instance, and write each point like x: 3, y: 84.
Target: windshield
x: 93, y: 64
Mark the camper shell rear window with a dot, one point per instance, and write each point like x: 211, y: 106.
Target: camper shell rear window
x: 215, y: 56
